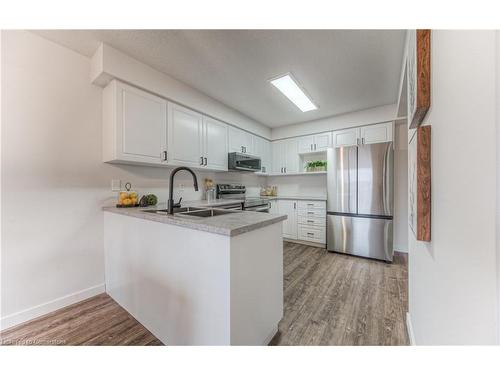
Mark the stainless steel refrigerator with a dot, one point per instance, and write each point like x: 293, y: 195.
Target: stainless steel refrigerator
x: 360, y: 200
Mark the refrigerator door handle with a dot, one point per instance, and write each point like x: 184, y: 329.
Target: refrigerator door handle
x: 385, y: 182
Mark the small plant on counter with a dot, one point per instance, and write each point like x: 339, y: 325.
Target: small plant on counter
x: 316, y: 166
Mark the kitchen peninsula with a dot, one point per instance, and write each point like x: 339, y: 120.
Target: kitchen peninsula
x: 198, y: 277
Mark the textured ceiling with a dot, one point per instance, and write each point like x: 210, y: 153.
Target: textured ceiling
x: 341, y: 70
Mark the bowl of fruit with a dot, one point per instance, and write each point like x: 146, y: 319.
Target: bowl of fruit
x: 127, y: 198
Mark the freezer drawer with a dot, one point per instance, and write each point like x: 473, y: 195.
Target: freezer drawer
x: 366, y: 237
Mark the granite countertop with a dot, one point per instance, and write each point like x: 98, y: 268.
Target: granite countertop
x: 212, y: 203
x: 232, y: 224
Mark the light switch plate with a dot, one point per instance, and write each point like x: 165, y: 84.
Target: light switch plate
x: 116, y: 185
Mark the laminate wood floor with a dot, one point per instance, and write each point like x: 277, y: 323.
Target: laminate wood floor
x: 336, y: 299
x: 95, y: 321
x: 330, y: 299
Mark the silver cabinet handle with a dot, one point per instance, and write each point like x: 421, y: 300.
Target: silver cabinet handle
x: 285, y: 169
x: 315, y: 147
x: 310, y: 221
x: 242, y: 149
x: 310, y: 234
x: 201, y: 160
x: 309, y: 212
x: 310, y: 204
x: 294, y: 205
x: 206, y: 161
x: 164, y: 156
x: 311, y: 147
x: 363, y: 140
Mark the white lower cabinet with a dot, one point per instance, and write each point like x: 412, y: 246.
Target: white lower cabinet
x: 273, y: 207
x: 287, y: 207
x: 312, y: 233
x: 312, y: 221
x: 306, y: 219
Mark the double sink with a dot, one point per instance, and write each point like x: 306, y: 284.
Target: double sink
x: 193, y: 212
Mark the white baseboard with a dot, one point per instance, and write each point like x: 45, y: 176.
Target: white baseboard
x: 409, y: 329
x: 48, y: 307
x: 270, y: 336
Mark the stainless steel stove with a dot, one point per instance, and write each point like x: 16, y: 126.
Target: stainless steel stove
x: 238, y: 192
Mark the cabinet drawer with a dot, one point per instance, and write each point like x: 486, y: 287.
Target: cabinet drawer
x: 312, y: 214
x: 315, y: 205
x: 315, y: 221
x: 313, y: 234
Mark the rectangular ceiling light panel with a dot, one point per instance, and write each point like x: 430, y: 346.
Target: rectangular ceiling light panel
x: 290, y: 88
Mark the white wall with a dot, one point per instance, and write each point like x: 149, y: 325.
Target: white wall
x: 453, y: 280
x: 109, y: 63
x: 347, y: 120
x: 53, y: 180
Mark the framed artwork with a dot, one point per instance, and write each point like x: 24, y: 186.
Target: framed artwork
x: 418, y: 68
x: 419, y: 184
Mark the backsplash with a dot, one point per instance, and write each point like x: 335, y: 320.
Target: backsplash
x: 314, y: 186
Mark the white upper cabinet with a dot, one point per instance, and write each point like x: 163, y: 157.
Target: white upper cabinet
x: 240, y: 141
x: 346, y: 137
x: 365, y: 135
x: 322, y: 141
x: 277, y: 157
x: 377, y: 133
x: 215, y: 144
x: 314, y: 143
x: 291, y: 156
x: 134, y: 125
x: 185, y: 137
x: 306, y: 144
x: 262, y: 149
x: 285, y: 158
x: 195, y: 140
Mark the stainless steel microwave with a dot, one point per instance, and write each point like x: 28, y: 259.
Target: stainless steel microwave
x: 243, y: 162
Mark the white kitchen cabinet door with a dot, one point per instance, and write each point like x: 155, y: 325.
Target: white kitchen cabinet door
x: 240, y: 141
x: 322, y: 141
x: 215, y: 144
x: 289, y: 208
x: 262, y: 149
x: 185, y: 136
x: 291, y: 156
x: 273, y: 209
x: 134, y: 125
x: 346, y: 137
x: 306, y: 144
x: 377, y: 133
x: 277, y: 149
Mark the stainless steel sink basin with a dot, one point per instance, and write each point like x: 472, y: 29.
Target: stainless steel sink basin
x: 206, y: 213
x: 176, y: 210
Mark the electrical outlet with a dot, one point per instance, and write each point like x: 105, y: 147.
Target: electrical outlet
x: 116, y: 185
